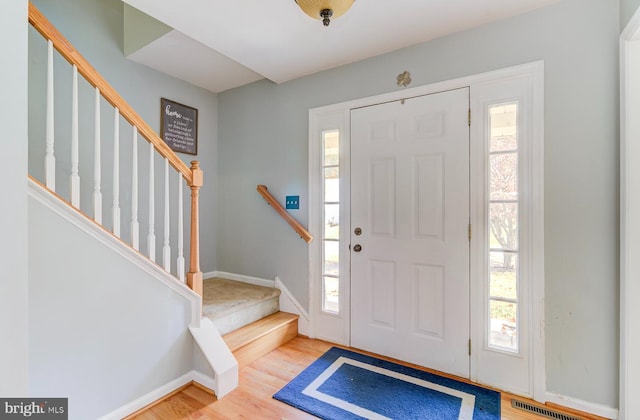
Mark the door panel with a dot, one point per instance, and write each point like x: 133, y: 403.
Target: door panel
x: 429, y: 297
x: 410, y: 197
x: 383, y: 193
x: 429, y: 193
x: 383, y: 285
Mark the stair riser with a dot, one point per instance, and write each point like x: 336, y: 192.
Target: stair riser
x: 235, y: 320
x: 265, y: 344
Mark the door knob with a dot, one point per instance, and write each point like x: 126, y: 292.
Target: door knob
x: 357, y: 248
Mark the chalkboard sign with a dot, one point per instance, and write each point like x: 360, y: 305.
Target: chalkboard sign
x: 179, y: 126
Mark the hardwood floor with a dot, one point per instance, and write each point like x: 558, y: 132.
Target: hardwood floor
x: 263, y: 378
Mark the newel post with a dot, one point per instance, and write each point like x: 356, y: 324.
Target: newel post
x: 194, y: 276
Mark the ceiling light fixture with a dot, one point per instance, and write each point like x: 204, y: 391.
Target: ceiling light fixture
x: 325, y: 9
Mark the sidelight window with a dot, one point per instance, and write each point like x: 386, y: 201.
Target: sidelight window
x: 503, y: 212
x: 331, y: 218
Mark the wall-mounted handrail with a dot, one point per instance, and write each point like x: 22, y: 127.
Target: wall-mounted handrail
x: 66, y: 50
x: 300, y: 230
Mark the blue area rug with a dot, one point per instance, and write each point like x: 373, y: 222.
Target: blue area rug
x: 342, y: 384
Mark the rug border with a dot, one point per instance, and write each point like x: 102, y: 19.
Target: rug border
x: 487, y: 406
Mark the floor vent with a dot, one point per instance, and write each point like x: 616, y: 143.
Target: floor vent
x: 541, y: 411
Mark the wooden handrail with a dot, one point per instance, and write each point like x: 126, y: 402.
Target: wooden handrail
x: 66, y: 50
x: 304, y: 234
x: 193, y: 175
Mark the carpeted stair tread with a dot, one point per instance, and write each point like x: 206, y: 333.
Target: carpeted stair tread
x: 224, y: 296
x: 232, y: 304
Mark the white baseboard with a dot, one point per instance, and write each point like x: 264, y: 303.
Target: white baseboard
x: 239, y: 277
x: 586, y: 406
x: 158, y: 394
x: 204, y: 380
x: 288, y: 303
x: 218, y: 356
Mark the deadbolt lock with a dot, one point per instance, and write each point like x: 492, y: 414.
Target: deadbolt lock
x: 357, y: 231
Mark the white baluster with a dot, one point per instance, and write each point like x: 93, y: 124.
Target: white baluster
x: 97, y: 194
x: 49, y: 157
x: 180, y: 262
x: 135, y: 226
x: 75, y: 175
x: 166, y: 249
x: 151, y: 238
x: 116, y: 173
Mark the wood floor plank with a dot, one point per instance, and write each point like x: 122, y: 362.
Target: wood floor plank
x: 265, y: 376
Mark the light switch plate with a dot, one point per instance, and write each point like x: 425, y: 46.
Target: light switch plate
x: 292, y: 202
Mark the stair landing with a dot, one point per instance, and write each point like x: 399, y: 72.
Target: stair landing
x: 230, y: 304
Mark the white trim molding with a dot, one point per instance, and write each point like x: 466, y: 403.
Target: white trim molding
x: 204, y: 380
x: 158, y: 394
x: 218, y: 356
x: 256, y: 281
x: 149, y: 398
x: 629, y: 222
x: 584, y: 406
x: 288, y: 303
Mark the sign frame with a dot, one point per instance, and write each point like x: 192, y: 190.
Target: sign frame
x: 179, y: 126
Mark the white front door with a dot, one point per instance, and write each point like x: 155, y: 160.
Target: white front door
x: 409, y: 230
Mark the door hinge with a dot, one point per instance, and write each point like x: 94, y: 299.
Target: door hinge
x: 469, y: 347
x: 469, y: 121
x: 469, y: 231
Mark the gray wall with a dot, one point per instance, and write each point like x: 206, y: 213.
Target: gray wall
x: 95, y: 29
x: 14, y: 350
x: 263, y: 139
x: 627, y: 9
x: 103, y: 331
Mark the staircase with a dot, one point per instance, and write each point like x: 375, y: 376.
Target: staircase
x: 145, y: 274
x: 248, y: 317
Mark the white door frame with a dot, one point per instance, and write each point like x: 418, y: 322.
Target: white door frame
x: 335, y: 328
x: 629, y: 223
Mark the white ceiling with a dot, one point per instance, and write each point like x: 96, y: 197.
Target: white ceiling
x: 225, y: 44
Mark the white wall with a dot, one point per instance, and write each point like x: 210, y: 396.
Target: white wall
x: 263, y: 140
x: 14, y: 349
x: 103, y: 330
